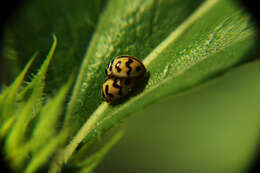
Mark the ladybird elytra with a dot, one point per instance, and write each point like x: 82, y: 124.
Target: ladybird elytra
x: 116, y: 88
x: 125, y: 67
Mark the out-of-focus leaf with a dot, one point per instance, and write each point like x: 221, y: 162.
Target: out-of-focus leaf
x: 30, y: 29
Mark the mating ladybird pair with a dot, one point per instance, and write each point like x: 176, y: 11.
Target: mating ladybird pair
x: 123, y: 73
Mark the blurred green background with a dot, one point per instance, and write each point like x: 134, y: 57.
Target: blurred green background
x: 214, y: 129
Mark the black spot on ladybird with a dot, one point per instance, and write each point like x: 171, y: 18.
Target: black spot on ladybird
x: 118, y: 66
x: 107, y: 93
x: 128, y: 66
x: 117, y: 86
x: 138, y: 68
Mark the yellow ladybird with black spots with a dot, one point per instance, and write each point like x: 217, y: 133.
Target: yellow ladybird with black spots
x: 116, y: 88
x: 125, y: 67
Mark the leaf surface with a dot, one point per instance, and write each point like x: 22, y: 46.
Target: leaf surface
x: 213, y: 37
x: 125, y: 27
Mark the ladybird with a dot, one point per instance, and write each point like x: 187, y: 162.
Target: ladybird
x: 116, y: 88
x: 125, y: 67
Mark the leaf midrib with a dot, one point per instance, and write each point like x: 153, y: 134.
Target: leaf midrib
x: 179, y: 31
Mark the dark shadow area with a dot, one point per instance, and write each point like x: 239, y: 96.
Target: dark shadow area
x: 3, y: 165
x: 255, y: 165
x: 7, y: 9
x: 253, y: 7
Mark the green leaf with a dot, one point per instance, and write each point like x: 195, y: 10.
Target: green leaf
x: 8, y: 97
x: 91, y: 162
x: 220, y: 118
x: 44, y: 154
x: 30, y: 29
x: 179, y: 54
x: 8, y: 100
x: 28, y: 145
x: 21, y: 115
x: 48, y: 119
x: 135, y: 28
x: 44, y: 143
